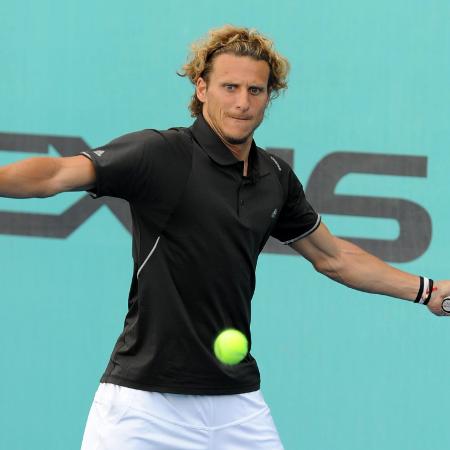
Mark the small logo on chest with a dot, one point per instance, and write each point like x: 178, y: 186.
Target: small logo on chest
x: 274, y: 213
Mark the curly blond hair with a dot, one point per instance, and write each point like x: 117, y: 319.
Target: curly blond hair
x: 240, y: 42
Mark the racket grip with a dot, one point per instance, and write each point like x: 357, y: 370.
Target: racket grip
x: 446, y: 304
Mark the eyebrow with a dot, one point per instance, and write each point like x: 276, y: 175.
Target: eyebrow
x: 231, y: 83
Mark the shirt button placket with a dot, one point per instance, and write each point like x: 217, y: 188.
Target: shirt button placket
x: 240, y: 199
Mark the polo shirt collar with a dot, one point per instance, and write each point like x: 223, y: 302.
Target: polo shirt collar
x: 218, y: 151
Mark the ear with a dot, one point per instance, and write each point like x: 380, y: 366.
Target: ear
x: 200, y: 89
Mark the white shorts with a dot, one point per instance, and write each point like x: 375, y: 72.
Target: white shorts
x: 129, y: 419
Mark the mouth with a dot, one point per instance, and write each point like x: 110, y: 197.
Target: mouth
x: 240, y: 118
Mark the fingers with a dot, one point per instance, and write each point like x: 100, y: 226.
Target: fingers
x: 437, y: 309
x: 440, y: 299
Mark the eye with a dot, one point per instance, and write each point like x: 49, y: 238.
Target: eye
x: 230, y: 87
x: 255, y: 90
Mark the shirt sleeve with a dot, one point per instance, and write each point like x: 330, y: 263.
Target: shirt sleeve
x: 297, y: 217
x: 124, y: 166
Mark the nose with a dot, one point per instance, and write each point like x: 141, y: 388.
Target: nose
x: 243, y: 100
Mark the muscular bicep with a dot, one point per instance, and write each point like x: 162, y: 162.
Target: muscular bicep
x: 75, y: 173
x: 46, y: 176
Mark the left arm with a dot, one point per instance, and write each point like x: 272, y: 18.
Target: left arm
x: 350, y: 265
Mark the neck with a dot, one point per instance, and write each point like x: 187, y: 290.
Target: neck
x: 240, y: 151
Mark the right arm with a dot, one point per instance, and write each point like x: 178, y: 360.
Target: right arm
x: 46, y: 176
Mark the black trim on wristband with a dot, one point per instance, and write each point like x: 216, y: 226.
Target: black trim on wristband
x: 430, y: 291
x: 419, y: 294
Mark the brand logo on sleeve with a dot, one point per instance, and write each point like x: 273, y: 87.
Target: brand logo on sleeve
x: 99, y: 152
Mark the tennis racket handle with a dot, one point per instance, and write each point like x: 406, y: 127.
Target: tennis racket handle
x: 446, y: 304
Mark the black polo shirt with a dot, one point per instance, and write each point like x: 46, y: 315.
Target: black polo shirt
x: 198, y: 228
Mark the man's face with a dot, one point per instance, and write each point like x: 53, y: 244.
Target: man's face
x: 235, y: 96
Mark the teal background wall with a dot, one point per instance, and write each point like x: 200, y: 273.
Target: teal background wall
x: 341, y: 370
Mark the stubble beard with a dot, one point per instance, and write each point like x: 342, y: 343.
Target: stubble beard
x: 237, y: 141
x: 232, y: 140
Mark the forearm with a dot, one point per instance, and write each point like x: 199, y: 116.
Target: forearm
x: 360, y: 270
x: 28, y: 178
x: 348, y: 264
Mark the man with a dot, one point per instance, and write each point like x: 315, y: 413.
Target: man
x: 204, y: 201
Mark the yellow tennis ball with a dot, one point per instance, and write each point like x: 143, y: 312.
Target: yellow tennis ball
x: 230, y: 346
